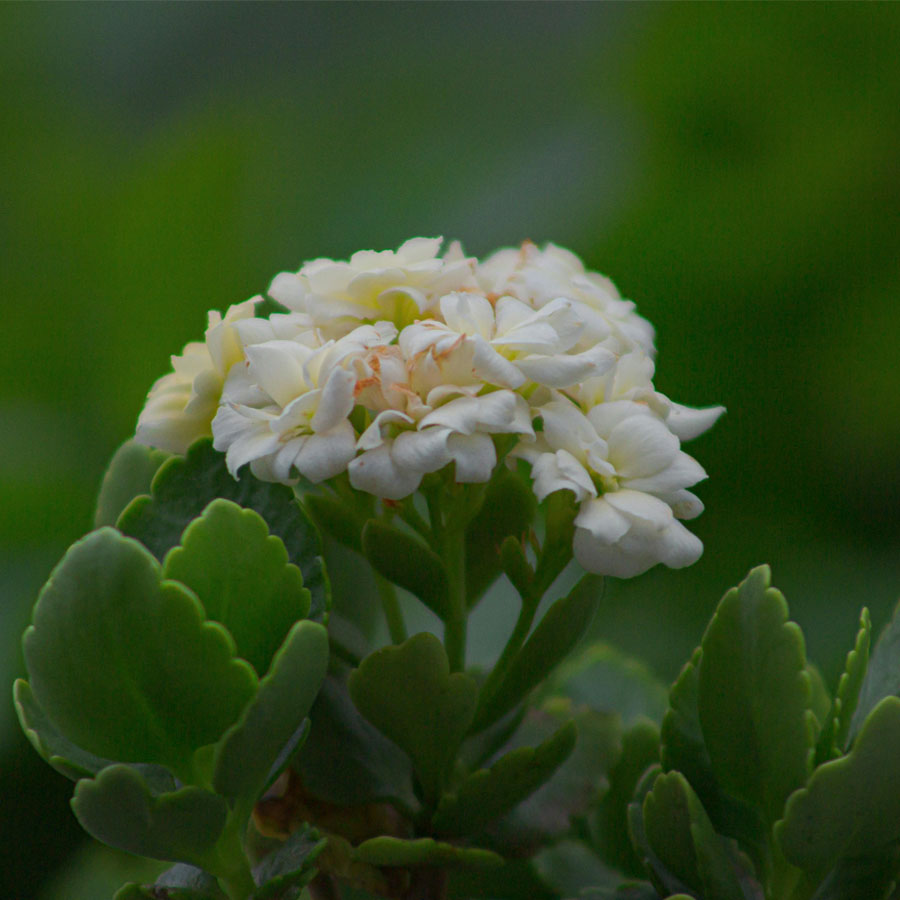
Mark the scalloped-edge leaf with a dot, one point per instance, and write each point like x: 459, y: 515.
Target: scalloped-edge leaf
x: 408, y: 693
x: 390, y: 851
x: 129, y: 474
x: 123, y: 663
x: 873, y: 877
x: 251, y: 747
x: 293, y: 864
x: 408, y: 562
x: 851, y: 806
x: 569, y: 866
x: 882, y: 677
x: 241, y: 575
x: 754, y: 697
x: 563, y: 625
x: 833, y: 740
x: 487, y: 794
x: 609, y: 680
x: 185, y: 485
x: 118, y: 808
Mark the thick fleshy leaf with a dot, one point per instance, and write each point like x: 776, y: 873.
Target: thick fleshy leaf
x: 882, y: 677
x: 574, y: 789
x: 515, y: 879
x: 118, y: 808
x: 570, y: 866
x: 242, y: 576
x: 754, y: 697
x: 550, y: 643
x: 55, y: 748
x: 129, y: 474
x: 181, y: 882
x: 629, y: 890
x: 851, y: 806
x: 608, y: 680
x: 336, y: 519
x: 123, y: 663
x: 640, y: 749
x: 833, y: 740
x: 292, y: 865
x: 390, y: 851
x: 684, y: 841
x: 185, y: 485
x: 246, y: 755
x: 872, y: 876
x: 372, y: 768
x: 487, y: 794
x: 408, y: 693
x: 408, y: 562
x: 507, y: 511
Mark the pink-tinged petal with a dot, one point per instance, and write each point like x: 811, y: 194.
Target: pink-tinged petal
x: 336, y: 401
x: 475, y: 456
x: 641, y: 446
x: 422, y: 451
x: 683, y: 472
x: 603, y: 521
x: 688, y: 423
x: 376, y: 473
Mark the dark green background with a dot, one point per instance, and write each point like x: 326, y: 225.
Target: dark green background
x: 735, y: 169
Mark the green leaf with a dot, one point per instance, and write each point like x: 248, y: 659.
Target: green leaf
x: 629, y: 890
x: 574, y: 789
x: 851, y: 806
x: 684, y: 841
x: 408, y: 693
x: 754, y: 697
x: 487, y: 794
x: 242, y: 576
x: 181, y: 882
x: 514, y: 880
x: 373, y: 769
x: 640, y: 749
x: 560, y: 510
x: 129, y: 474
x: 872, y: 876
x: 56, y: 749
x: 292, y: 865
x: 608, y: 680
x: 507, y: 511
x: 123, y: 663
x: 549, y: 644
x: 185, y: 485
x: 390, y: 851
x: 337, y: 519
x: 247, y: 753
x: 882, y: 677
x: 570, y: 866
x: 118, y: 809
x: 408, y: 562
x: 834, y: 738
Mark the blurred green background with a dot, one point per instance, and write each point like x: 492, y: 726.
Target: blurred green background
x: 734, y: 168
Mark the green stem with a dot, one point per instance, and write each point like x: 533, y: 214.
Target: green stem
x: 454, y: 556
x: 392, y: 612
x: 229, y: 863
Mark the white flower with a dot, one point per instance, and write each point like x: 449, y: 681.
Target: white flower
x: 627, y: 471
x: 539, y: 276
x: 395, y: 285
x: 513, y: 343
x: 181, y: 405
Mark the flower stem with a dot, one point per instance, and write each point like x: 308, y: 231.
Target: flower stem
x: 392, y: 612
x: 454, y: 555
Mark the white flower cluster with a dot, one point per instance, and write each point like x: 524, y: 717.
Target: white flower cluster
x: 397, y: 363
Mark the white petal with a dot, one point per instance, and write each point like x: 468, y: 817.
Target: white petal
x: 422, y: 451
x: 289, y: 290
x: 475, y: 456
x: 641, y: 446
x: 603, y: 521
x: 688, y: 423
x: 643, y: 507
x: 679, y: 547
x: 376, y: 473
x: 323, y: 456
x: 336, y: 402
x: 493, y: 368
x: 683, y: 472
x: 609, y: 559
x: 277, y: 367
x: 561, y: 471
x: 685, y: 505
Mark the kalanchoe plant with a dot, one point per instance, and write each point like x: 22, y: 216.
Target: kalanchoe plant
x: 450, y: 422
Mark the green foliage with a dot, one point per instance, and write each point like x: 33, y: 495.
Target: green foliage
x: 507, y: 511
x: 408, y: 562
x: 408, y: 693
x: 290, y: 866
x: 563, y: 625
x: 372, y: 767
x: 118, y: 808
x: 251, y: 749
x: 129, y: 474
x: 851, y: 806
x: 754, y: 695
x: 570, y: 865
x: 487, y: 794
x: 123, y: 663
x: 184, y: 486
x: 181, y: 882
x: 241, y: 575
x: 389, y: 851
